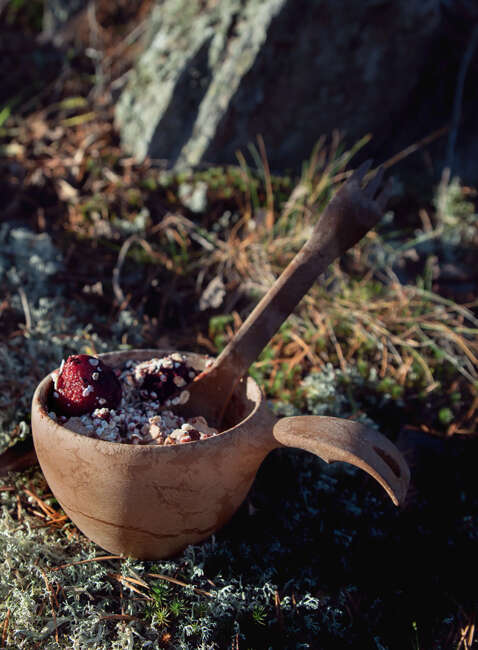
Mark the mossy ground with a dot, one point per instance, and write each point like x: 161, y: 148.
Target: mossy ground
x: 98, y: 252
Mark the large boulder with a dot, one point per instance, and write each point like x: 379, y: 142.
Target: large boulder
x: 215, y: 74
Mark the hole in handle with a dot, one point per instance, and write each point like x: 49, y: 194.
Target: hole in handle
x: 391, y: 462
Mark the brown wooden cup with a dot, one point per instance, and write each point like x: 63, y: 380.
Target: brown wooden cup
x: 151, y: 501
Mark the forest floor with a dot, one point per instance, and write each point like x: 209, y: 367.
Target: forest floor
x: 99, y: 252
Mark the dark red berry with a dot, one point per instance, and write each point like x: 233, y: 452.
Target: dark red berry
x: 84, y: 384
x: 161, y: 378
x: 194, y: 434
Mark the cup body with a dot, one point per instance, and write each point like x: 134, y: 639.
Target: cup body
x: 151, y: 501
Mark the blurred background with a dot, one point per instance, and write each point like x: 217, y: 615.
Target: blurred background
x: 192, y: 82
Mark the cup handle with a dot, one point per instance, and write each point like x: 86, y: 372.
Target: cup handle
x: 337, y: 439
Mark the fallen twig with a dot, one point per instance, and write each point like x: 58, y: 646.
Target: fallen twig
x: 130, y: 582
x: 26, y: 308
x: 5, y: 627
x: 175, y: 581
x: 119, y: 617
x: 100, y: 558
x: 52, y: 597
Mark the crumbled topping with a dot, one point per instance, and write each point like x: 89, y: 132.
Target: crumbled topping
x: 54, y: 376
x: 139, y: 418
x: 179, y: 381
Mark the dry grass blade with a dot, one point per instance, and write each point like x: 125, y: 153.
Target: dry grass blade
x: 453, y: 336
x: 119, y: 617
x: 403, y: 329
x: 175, y: 581
x: 130, y: 583
x: 453, y: 306
x: 416, y: 146
x: 52, y: 597
x: 267, y: 179
x: 54, y: 523
x: 467, y: 633
x: 26, y: 308
x: 119, y: 295
x: 48, y: 510
x: 137, y: 580
x: 278, y: 610
x: 5, y: 627
x: 99, y: 558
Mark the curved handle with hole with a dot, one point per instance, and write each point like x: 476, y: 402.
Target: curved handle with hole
x: 336, y: 439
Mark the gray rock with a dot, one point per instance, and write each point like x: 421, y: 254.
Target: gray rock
x: 216, y: 74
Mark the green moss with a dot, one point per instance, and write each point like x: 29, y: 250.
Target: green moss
x: 445, y: 416
x: 217, y: 330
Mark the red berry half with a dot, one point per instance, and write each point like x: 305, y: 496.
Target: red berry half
x: 83, y: 384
